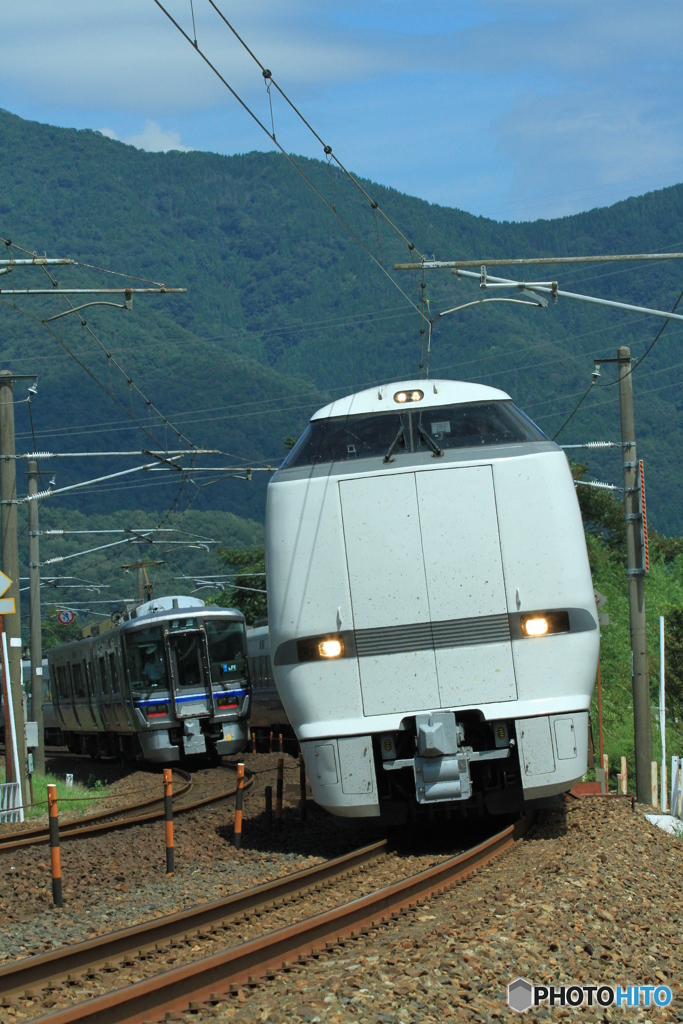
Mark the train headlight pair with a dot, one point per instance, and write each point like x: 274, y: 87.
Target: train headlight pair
x: 408, y: 396
x: 321, y: 648
x: 545, y: 623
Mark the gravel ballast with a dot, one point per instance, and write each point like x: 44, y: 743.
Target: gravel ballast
x: 591, y: 896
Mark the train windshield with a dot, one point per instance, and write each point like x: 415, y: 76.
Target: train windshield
x: 145, y: 659
x: 227, y: 650
x: 470, y: 425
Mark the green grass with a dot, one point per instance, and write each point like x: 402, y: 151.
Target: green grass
x: 663, y: 587
x: 86, y: 795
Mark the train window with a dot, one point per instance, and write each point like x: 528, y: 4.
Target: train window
x: 114, y: 672
x: 187, y: 651
x: 103, y: 675
x: 78, y: 682
x: 468, y: 425
x: 62, y: 683
x: 176, y: 624
x: 145, y: 660
x: 227, y: 650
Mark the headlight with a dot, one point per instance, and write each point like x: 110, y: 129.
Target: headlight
x: 408, y: 396
x: 537, y: 626
x: 321, y: 648
x: 543, y: 623
x: 331, y: 649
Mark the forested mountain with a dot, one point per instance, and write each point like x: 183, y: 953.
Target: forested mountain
x: 284, y: 310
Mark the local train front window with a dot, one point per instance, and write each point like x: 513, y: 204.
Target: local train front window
x: 145, y: 659
x: 227, y: 650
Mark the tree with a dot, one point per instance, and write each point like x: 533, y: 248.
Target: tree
x: 602, y: 514
x: 248, y: 591
x: 673, y: 626
x: 54, y: 632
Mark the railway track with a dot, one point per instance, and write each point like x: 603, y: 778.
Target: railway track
x: 96, y: 825
x: 212, y: 977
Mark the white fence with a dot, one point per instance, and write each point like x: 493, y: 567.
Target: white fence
x: 10, y: 801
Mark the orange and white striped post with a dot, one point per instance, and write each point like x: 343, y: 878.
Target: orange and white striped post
x: 55, y: 859
x: 238, y: 806
x: 168, y: 816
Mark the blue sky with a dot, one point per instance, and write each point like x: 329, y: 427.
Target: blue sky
x: 510, y: 110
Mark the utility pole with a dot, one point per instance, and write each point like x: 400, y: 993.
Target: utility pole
x: 36, y: 625
x: 642, y: 726
x: 144, y: 586
x: 10, y: 563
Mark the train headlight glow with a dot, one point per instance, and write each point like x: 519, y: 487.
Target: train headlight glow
x: 535, y: 627
x: 321, y: 648
x: 331, y: 649
x: 544, y: 623
x: 408, y: 396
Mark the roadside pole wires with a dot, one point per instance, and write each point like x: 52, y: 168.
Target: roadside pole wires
x: 11, y: 266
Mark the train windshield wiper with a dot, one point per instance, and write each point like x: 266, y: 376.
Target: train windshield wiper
x: 429, y: 441
x: 400, y: 436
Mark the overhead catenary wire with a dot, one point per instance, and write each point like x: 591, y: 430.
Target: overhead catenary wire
x: 111, y: 360
x: 327, y: 150
x: 331, y: 207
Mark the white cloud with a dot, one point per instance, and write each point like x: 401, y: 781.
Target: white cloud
x: 155, y: 139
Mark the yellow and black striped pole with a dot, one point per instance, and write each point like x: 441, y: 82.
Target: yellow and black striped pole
x: 55, y: 859
x: 168, y: 815
x: 238, y: 806
x: 278, y: 795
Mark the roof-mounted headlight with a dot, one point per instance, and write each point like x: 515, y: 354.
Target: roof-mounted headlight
x: 408, y: 396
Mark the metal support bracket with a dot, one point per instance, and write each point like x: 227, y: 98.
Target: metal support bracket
x: 635, y: 572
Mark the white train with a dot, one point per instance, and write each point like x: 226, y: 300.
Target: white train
x: 432, y: 619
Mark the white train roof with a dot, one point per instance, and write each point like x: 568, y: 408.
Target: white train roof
x: 436, y: 393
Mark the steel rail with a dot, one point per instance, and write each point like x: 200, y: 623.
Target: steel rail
x: 57, y: 964
x: 36, y: 835
x: 112, y: 826
x: 247, y: 963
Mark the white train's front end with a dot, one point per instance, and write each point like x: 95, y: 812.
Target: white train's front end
x: 432, y: 619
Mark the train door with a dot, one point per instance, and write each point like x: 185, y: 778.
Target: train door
x: 86, y: 684
x: 466, y: 585
x: 389, y: 594
x: 108, y: 716
x: 120, y: 703
x: 64, y: 703
x: 190, y: 678
x: 93, y: 697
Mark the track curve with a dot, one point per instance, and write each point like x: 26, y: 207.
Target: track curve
x: 93, y: 826
x: 248, y: 962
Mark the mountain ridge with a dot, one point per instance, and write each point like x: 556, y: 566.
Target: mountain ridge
x: 284, y: 311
